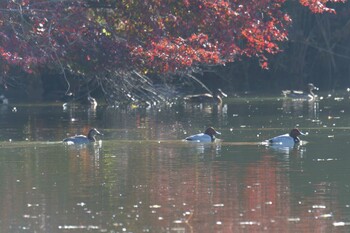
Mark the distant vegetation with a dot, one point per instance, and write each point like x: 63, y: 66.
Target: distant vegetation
x: 120, y: 49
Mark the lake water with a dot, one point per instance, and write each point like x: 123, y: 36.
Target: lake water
x: 141, y: 177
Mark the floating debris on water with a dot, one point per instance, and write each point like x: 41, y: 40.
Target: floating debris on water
x: 219, y: 205
x: 75, y: 227
x: 81, y: 204
x: 32, y: 205
x: 325, y: 160
x: 30, y: 216
x: 249, y: 223
x: 340, y: 224
x: 325, y: 216
x: 178, y: 221
x: 293, y: 219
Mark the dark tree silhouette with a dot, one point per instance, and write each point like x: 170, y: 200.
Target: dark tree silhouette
x: 117, y: 44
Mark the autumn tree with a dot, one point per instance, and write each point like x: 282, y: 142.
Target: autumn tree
x: 117, y: 44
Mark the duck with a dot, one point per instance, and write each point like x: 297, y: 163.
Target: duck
x: 82, y: 139
x: 301, y: 95
x: 216, y: 97
x: 207, y: 136
x: 3, y: 100
x: 288, y: 140
x: 92, y: 101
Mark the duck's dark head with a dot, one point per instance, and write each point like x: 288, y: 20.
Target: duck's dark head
x: 218, y: 94
x: 211, y: 132
x: 294, y: 133
x: 92, y: 133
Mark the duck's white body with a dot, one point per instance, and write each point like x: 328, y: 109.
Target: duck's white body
x: 207, y: 136
x: 283, y: 140
x: 201, y: 137
x: 78, y: 139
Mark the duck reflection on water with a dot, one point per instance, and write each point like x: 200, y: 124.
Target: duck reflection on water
x: 308, y: 109
x: 296, y: 150
x: 212, y: 150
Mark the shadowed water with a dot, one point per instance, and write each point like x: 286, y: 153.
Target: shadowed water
x: 142, y: 177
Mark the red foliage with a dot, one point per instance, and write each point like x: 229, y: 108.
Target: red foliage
x: 147, y: 36
x: 319, y: 6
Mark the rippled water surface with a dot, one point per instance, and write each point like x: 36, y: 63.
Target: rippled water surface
x: 141, y: 177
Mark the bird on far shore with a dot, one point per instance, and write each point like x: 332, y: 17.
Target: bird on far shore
x: 301, y: 95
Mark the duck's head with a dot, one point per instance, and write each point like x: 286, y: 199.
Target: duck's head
x: 218, y: 94
x: 294, y: 133
x: 311, y: 87
x: 92, y: 133
x: 92, y: 101
x: 211, y: 132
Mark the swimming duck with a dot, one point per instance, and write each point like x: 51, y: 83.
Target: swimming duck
x: 301, y: 95
x: 82, y: 139
x: 216, y: 97
x: 207, y: 136
x: 288, y: 140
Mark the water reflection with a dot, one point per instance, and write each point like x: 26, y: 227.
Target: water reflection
x: 217, y: 112
x: 104, y: 191
x: 297, y: 108
x: 296, y: 150
x: 144, y: 178
x: 205, y: 148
